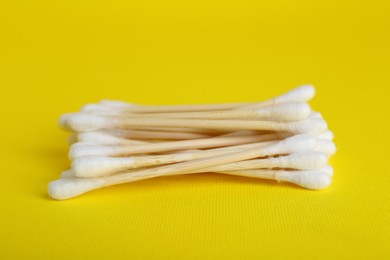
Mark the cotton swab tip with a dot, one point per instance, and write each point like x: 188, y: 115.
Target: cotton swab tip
x: 314, y: 180
x: 117, y: 104
x: 83, y: 122
x: 63, y: 121
x: 314, y: 114
x: 79, y: 150
x: 94, y: 166
x: 99, y: 109
x: 328, y: 135
x: 329, y: 170
x: 313, y: 126
x: 67, y: 188
x: 72, y: 139
x: 300, y: 94
x: 326, y: 146
x: 297, y: 143
x: 306, y: 160
x: 288, y: 111
x: 90, y: 108
x: 67, y: 174
x: 100, y: 138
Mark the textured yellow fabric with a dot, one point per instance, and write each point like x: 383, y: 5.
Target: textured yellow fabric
x: 57, y: 55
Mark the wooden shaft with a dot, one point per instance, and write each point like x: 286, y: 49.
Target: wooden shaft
x: 254, y: 106
x: 238, y: 166
x: 187, y: 144
x: 181, y: 108
x: 253, y: 173
x: 176, y: 130
x: 160, y: 135
x: 229, y: 114
x: 204, y: 124
x: 225, y: 148
x: 105, y: 139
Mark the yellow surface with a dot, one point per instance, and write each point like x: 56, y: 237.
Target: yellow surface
x: 57, y: 55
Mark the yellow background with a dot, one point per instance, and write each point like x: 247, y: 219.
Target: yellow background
x: 56, y: 56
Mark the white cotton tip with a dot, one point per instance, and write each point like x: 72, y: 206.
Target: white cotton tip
x: 100, y: 138
x: 94, y: 166
x: 302, y: 161
x: 90, y: 150
x: 90, y: 108
x: 328, y: 135
x: 117, y: 104
x: 314, y: 180
x: 72, y: 139
x: 82, y: 122
x: 67, y: 174
x: 300, y: 94
x: 82, y: 144
x: 294, y: 144
x: 98, y: 109
x: 63, y: 121
x: 120, y: 133
x: 312, y: 126
x: 70, y: 187
x: 328, y: 169
x: 287, y: 111
x: 314, y: 114
x: 325, y: 146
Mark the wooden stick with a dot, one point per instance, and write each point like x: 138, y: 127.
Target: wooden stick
x: 300, y: 94
x: 167, y: 135
x: 105, y: 139
x: 286, y: 111
x: 327, y: 169
x: 104, y: 109
x: 123, y: 150
x: 88, y: 122
x: 68, y: 186
x: 97, y: 166
x: 154, y: 135
x: 63, y: 124
x: 323, y: 145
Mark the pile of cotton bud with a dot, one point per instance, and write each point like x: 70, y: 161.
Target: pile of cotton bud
x: 115, y: 142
